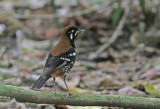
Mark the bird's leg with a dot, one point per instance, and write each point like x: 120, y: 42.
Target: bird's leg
x: 54, y: 79
x: 66, y: 86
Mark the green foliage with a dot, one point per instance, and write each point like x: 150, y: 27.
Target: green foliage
x: 117, y: 13
x: 153, y: 89
x: 142, y: 27
x: 98, y: 1
x: 2, y: 34
x: 145, y: 5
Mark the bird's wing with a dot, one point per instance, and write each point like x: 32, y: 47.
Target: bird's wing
x: 56, y: 62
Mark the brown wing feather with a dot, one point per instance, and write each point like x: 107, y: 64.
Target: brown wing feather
x: 58, y: 72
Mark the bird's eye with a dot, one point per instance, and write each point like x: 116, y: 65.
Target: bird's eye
x: 70, y: 32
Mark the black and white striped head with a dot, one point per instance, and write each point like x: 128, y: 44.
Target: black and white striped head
x: 72, y: 32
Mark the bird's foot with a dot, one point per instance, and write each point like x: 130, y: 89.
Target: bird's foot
x: 54, y: 91
x: 35, y: 89
x: 69, y: 93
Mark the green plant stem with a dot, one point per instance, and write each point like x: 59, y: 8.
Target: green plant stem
x: 115, y: 34
x: 27, y: 95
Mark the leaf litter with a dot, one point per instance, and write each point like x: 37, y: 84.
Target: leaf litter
x: 128, y: 67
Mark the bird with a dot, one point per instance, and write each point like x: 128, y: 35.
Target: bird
x: 61, y: 58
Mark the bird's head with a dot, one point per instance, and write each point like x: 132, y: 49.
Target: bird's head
x: 72, y: 32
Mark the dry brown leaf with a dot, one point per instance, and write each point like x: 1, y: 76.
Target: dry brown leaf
x: 151, y: 73
x: 109, y: 83
x: 129, y: 91
x: 25, y: 70
x: 38, y: 55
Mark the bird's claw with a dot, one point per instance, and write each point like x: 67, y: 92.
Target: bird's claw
x: 54, y: 92
x: 69, y: 93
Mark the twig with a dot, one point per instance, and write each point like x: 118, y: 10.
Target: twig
x: 115, y: 34
x: 26, y: 95
x: 143, y: 70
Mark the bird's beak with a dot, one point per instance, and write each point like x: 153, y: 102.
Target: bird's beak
x: 79, y: 31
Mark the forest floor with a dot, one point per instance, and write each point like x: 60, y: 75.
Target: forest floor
x: 118, y: 54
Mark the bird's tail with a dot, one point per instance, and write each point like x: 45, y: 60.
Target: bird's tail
x: 40, y: 82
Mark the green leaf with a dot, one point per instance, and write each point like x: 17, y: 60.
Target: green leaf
x: 153, y: 90
x: 117, y: 13
x: 142, y: 27
x: 98, y: 1
x: 2, y: 34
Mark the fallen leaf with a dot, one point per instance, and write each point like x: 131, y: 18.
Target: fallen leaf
x: 108, y: 83
x: 151, y: 73
x: 129, y: 91
x: 25, y: 70
x: 104, y: 64
x: 38, y: 55
x: 153, y: 89
x: 62, y: 106
x: 139, y: 86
